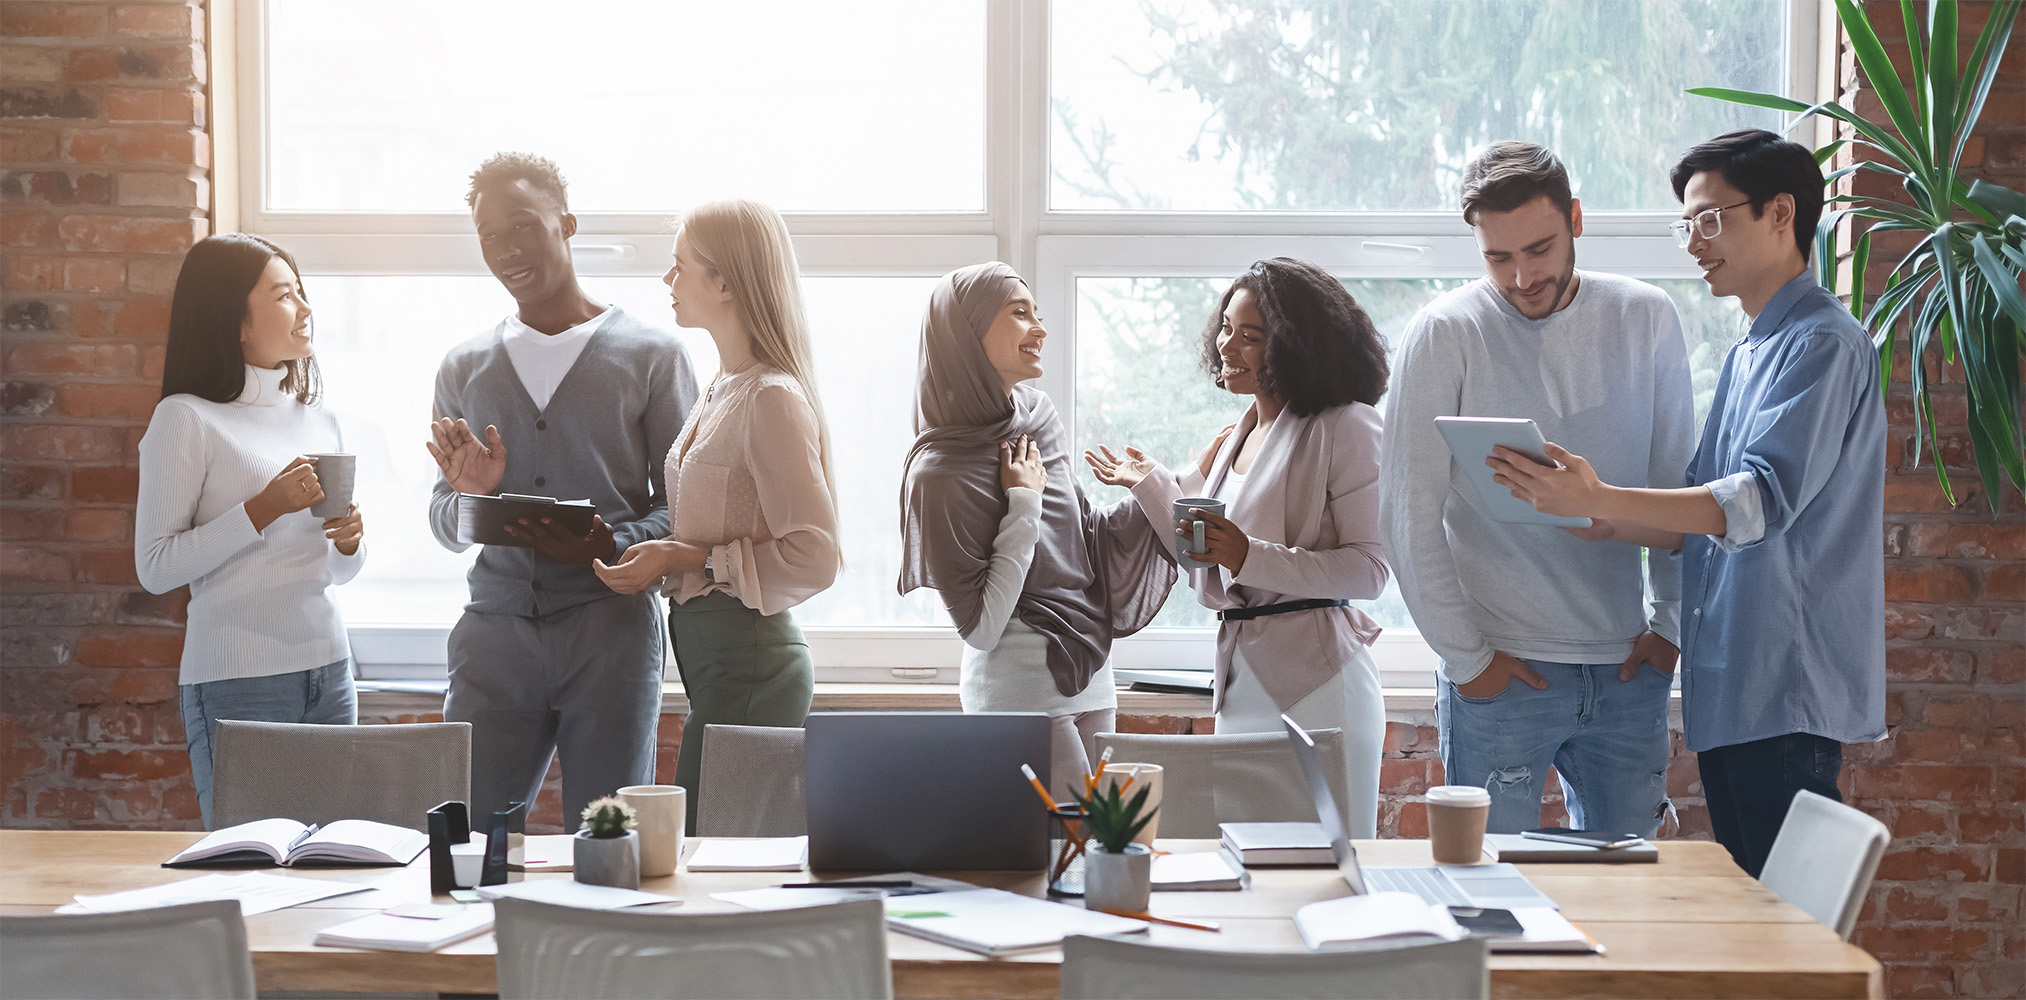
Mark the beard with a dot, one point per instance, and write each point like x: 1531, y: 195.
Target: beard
x: 1512, y: 295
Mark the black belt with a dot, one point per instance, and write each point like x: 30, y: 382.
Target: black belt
x: 1311, y: 604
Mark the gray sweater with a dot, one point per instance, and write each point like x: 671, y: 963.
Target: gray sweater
x: 1606, y: 378
x: 603, y: 438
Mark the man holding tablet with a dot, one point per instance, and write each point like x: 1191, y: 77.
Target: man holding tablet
x: 1550, y: 654
x: 1784, y: 509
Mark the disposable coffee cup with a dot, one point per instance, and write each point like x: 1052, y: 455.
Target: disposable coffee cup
x: 334, y: 473
x: 1187, y: 547
x: 1456, y: 818
x: 1129, y: 778
x: 659, y: 809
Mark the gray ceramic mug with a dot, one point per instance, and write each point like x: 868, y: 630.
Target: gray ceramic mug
x: 1189, y: 546
x: 334, y: 473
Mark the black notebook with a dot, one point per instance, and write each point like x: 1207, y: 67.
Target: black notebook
x: 483, y: 520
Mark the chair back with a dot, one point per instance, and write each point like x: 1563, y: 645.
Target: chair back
x: 194, y: 950
x: 317, y: 774
x: 836, y: 950
x: 1823, y: 859
x: 752, y: 783
x: 1232, y: 778
x: 1117, y: 969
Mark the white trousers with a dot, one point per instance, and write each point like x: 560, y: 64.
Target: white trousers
x: 1351, y: 702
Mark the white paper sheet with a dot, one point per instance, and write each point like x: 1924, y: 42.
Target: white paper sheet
x: 570, y: 892
x: 257, y: 892
x: 765, y: 854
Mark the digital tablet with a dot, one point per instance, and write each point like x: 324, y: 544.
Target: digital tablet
x: 1471, y: 440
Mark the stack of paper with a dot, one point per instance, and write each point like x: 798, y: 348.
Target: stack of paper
x: 256, y: 892
x: 996, y: 922
x: 570, y: 892
x: 389, y: 932
x: 1258, y: 844
x: 1378, y: 920
x: 764, y: 854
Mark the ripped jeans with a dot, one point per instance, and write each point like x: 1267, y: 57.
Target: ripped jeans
x: 1607, y: 738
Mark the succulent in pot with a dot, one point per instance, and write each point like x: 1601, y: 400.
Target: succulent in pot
x: 606, y: 851
x: 1118, y: 874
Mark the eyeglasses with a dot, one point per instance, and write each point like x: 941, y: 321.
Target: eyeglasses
x: 1709, y: 224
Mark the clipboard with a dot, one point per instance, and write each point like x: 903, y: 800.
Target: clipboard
x: 482, y: 520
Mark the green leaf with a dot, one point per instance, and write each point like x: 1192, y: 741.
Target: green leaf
x: 1822, y: 155
x: 1860, y: 260
x: 2001, y: 200
x: 1939, y: 112
x: 2003, y: 283
x: 1985, y: 57
x: 1885, y: 81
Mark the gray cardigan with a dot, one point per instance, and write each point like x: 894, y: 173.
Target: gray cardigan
x: 603, y: 437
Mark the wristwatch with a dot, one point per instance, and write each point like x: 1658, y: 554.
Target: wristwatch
x: 707, y: 574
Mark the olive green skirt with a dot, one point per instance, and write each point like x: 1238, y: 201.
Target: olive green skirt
x: 739, y: 668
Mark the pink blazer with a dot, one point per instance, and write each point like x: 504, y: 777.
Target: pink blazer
x: 1310, y: 504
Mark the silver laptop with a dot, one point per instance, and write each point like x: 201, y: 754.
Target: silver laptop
x: 925, y: 791
x: 1499, y: 886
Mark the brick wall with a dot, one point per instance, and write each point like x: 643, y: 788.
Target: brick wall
x: 105, y: 185
x: 1945, y: 916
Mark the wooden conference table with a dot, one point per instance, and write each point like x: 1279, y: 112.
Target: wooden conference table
x: 1692, y: 925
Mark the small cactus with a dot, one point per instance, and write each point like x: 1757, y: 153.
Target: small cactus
x: 609, y: 817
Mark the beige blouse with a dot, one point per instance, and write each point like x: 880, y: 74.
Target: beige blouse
x: 746, y: 478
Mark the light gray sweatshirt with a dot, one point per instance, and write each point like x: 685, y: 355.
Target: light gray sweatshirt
x: 1606, y: 378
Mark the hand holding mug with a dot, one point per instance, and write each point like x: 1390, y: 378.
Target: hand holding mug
x: 294, y: 488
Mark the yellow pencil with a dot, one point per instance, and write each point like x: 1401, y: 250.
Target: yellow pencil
x: 1039, y: 788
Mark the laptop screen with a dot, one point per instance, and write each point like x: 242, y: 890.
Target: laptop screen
x: 1325, y: 805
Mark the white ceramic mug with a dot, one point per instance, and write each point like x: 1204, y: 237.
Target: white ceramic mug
x: 659, y: 810
x: 1147, y: 776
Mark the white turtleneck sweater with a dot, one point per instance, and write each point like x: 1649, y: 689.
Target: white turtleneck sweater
x: 260, y: 601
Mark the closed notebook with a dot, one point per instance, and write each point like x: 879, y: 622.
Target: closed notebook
x: 1257, y: 844
x: 1199, y: 871
x: 1378, y: 920
x: 387, y: 932
x: 482, y: 520
x: 1527, y: 850
x: 286, y: 842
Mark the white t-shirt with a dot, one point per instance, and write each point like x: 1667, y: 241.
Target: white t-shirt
x: 542, y: 360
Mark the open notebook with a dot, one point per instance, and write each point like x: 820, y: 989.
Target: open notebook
x: 287, y: 842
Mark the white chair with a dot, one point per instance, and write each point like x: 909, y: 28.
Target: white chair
x: 1232, y: 777
x: 316, y: 774
x: 752, y: 783
x: 1116, y: 969
x: 1823, y: 859
x: 195, y: 950
x: 837, y: 950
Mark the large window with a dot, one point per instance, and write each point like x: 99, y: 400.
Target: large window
x: 1127, y: 156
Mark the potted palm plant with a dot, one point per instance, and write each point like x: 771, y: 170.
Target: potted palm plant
x: 606, y: 850
x: 1117, y: 873
x: 1957, y: 292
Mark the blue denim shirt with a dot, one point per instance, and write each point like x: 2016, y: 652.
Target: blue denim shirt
x: 1785, y: 633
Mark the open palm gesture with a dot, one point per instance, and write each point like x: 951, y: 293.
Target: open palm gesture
x: 469, y: 465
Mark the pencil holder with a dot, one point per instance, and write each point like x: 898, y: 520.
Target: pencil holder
x: 1068, y: 839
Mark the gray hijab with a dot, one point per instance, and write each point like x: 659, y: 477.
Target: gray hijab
x: 1096, y: 574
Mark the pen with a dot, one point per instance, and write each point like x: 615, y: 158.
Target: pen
x: 866, y: 884
x: 1150, y: 918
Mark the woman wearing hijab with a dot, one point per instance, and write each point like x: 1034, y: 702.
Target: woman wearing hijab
x: 1038, y: 581
x: 1298, y: 475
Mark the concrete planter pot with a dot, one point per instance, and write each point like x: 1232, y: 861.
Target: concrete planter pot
x: 613, y: 861
x: 1121, y: 880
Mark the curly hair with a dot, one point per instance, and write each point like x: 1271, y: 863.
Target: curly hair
x: 505, y: 168
x: 1321, y: 348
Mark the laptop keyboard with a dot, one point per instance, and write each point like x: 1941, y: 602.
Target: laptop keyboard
x: 1427, y: 883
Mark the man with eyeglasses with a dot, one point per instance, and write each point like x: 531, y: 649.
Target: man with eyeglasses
x: 1783, y: 650
x: 1551, y: 655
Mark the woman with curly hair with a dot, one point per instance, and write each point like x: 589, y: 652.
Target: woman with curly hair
x: 1298, y: 475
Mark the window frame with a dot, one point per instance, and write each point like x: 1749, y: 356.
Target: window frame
x: 1054, y: 248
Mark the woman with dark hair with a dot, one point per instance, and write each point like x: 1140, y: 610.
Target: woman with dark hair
x: 1298, y: 476
x: 224, y: 495
x: 1037, y: 580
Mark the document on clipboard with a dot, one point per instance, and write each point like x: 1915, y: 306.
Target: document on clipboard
x: 482, y: 520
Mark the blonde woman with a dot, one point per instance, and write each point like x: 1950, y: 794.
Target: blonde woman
x: 753, y: 509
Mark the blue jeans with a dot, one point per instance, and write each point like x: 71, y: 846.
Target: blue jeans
x: 321, y: 695
x: 1606, y: 737
x: 1750, y: 785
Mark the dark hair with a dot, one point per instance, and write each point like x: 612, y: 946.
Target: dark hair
x: 1508, y: 174
x: 1760, y: 165
x: 505, y: 168
x: 1321, y: 348
x: 207, y: 316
